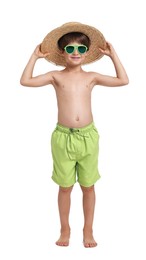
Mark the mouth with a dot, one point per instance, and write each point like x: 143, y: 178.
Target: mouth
x: 75, y: 57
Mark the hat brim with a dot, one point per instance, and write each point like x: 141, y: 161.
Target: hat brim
x: 50, y: 42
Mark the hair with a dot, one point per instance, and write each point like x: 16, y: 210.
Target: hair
x: 73, y: 36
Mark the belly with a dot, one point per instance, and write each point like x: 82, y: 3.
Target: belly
x: 75, y: 116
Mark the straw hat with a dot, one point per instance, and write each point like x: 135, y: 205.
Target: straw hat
x: 50, y: 42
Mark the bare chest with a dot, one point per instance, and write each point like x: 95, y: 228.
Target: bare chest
x: 72, y: 85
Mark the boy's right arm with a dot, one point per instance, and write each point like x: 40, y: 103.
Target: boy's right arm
x: 27, y: 78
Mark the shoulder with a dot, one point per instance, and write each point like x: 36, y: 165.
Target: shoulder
x: 55, y: 72
x: 52, y: 74
x: 93, y: 76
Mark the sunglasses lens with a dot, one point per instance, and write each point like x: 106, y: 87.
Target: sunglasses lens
x: 82, y: 49
x: 69, y: 49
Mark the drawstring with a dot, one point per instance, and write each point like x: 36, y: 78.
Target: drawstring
x: 78, y: 132
x: 70, y: 142
x: 71, y: 138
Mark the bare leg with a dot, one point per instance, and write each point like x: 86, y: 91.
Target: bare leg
x: 88, y: 208
x: 64, y: 209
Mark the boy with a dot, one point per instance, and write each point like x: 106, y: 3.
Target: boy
x: 75, y: 138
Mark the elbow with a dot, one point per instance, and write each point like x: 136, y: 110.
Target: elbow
x: 124, y: 82
x: 23, y: 82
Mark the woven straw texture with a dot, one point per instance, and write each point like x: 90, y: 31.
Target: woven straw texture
x: 50, y: 42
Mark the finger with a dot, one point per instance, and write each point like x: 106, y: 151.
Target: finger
x: 109, y: 45
x: 46, y: 54
x: 38, y: 47
x: 101, y: 50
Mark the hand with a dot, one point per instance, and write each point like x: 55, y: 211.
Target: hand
x: 109, y: 51
x: 38, y: 53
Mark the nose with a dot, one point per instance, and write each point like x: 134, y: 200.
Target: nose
x: 75, y: 52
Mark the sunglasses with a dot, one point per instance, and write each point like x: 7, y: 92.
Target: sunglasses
x: 80, y: 48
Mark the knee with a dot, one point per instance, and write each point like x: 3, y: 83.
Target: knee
x: 65, y: 189
x: 87, y: 189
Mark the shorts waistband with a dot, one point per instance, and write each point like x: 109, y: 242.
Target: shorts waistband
x: 81, y: 130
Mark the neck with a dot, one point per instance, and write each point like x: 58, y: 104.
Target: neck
x: 73, y: 69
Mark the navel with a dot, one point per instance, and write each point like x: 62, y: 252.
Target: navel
x: 77, y: 118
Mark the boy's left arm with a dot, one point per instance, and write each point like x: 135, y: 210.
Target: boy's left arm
x: 121, y: 75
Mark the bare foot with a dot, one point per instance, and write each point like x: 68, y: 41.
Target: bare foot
x: 64, y: 239
x: 89, y: 240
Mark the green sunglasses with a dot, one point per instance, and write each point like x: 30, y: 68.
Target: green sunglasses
x: 71, y: 48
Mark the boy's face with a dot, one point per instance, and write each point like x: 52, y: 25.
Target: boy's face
x: 77, y: 55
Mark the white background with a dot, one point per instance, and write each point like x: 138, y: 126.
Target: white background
x: 29, y: 220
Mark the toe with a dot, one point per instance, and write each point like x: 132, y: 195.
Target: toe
x: 59, y: 243
x: 90, y: 244
x: 86, y: 244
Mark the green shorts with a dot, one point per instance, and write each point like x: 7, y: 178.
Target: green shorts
x: 75, y: 155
